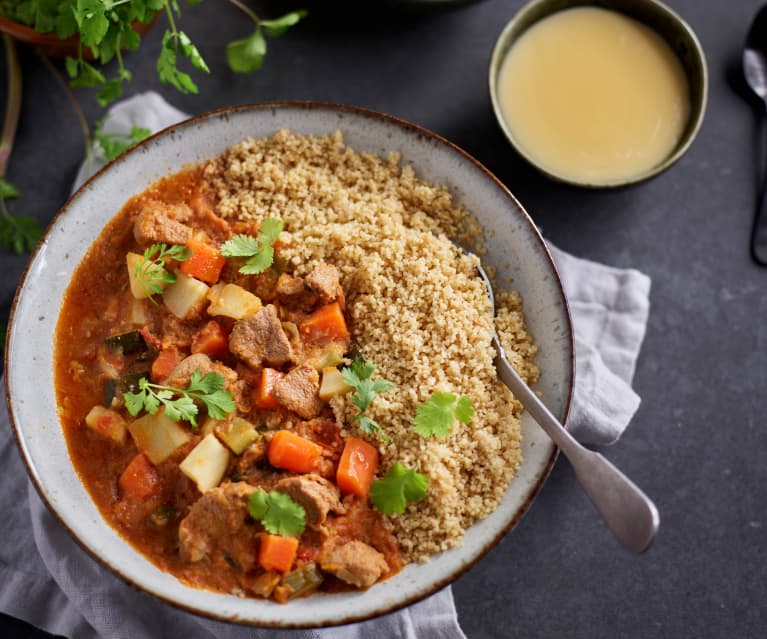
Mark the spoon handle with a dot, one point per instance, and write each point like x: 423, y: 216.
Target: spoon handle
x: 627, y: 511
x: 759, y: 230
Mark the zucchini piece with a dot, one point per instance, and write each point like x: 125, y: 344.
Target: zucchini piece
x: 302, y: 580
x: 185, y: 295
x: 157, y: 435
x: 129, y: 342
x: 114, y: 387
x: 207, y: 463
x: 233, y: 301
x: 332, y: 383
x: 237, y: 434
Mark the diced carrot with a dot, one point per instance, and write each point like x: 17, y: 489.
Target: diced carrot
x: 263, y: 395
x: 276, y: 552
x: 164, y: 363
x: 211, y: 340
x: 139, y: 480
x: 326, y: 324
x: 293, y: 452
x: 205, y: 263
x: 357, y: 467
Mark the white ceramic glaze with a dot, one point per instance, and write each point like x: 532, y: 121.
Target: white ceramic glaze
x: 515, y: 247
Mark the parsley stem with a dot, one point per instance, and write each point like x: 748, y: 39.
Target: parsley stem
x: 247, y: 10
x: 171, y: 21
x: 12, y: 104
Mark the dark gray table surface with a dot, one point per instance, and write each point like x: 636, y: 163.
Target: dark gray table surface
x: 698, y: 442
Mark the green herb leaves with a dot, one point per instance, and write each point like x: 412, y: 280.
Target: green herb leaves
x: 150, y: 271
x: 397, y: 489
x: 248, y: 54
x: 436, y: 416
x: 113, y: 144
x: 208, y: 390
x: 173, y: 43
x: 359, y: 377
x: 18, y: 233
x: 278, y: 513
x: 259, y: 249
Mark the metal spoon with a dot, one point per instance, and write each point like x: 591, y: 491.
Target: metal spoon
x: 628, y: 512
x: 755, y: 71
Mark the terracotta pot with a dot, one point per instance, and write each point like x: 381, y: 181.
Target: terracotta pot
x: 53, y: 46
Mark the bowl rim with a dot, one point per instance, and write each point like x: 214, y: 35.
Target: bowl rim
x: 310, y: 105
x: 697, y: 112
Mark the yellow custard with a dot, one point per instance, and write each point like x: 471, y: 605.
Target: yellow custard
x: 593, y: 96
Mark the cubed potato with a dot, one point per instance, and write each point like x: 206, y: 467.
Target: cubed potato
x: 139, y: 279
x: 207, y: 463
x: 237, y: 434
x: 332, y: 383
x: 185, y: 296
x: 157, y: 435
x: 233, y: 301
x: 107, y: 422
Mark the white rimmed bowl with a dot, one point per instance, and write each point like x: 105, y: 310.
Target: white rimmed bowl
x: 514, y: 246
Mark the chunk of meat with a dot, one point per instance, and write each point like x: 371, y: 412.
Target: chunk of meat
x: 294, y: 294
x: 260, y: 340
x: 252, y: 455
x: 355, y: 563
x: 317, y: 496
x: 324, y: 280
x: 180, y: 375
x: 299, y: 391
x: 218, y: 528
x: 159, y: 222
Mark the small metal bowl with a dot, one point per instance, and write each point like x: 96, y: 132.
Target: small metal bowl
x: 669, y: 25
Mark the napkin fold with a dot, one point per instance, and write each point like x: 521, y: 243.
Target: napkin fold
x: 48, y: 580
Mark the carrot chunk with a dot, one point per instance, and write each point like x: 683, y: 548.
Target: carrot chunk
x: 326, y: 324
x: 263, y: 395
x: 293, y: 452
x: 276, y: 552
x: 205, y: 263
x: 164, y: 363
x: 357, y: 467
x: 139, y: 480
x: 211, y: 340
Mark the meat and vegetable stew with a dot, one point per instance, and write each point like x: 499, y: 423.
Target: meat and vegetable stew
x: 229, y: 402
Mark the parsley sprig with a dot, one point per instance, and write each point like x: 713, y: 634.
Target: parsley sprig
x: 278, y: 513
x: 359, y: 377
x: 18, y: 233
x: 151, y: 272
x: 209, y: 390
x: 436, y: 416
x: 106, y: 27
x: 399, y: 486
x: 258, y: 249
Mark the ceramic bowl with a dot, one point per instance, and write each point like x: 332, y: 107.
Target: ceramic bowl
x: 514, y: 246
x: 668, y: 24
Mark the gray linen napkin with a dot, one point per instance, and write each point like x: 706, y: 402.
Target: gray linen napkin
x: 48, y: 580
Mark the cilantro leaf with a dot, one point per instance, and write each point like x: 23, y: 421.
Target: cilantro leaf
x: 436, y: 416
x: 18, y: 233
x: 246, y: 55
x: 167, y: 70
x: 278, y: 513
x: 150, y: 271
x: 207, y: 389
x: 278, y: 26
x: 113, y: 144
x: 399, y: 486
x: 359, y: 377
x: 8, y: 190
x: 259, y: 250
